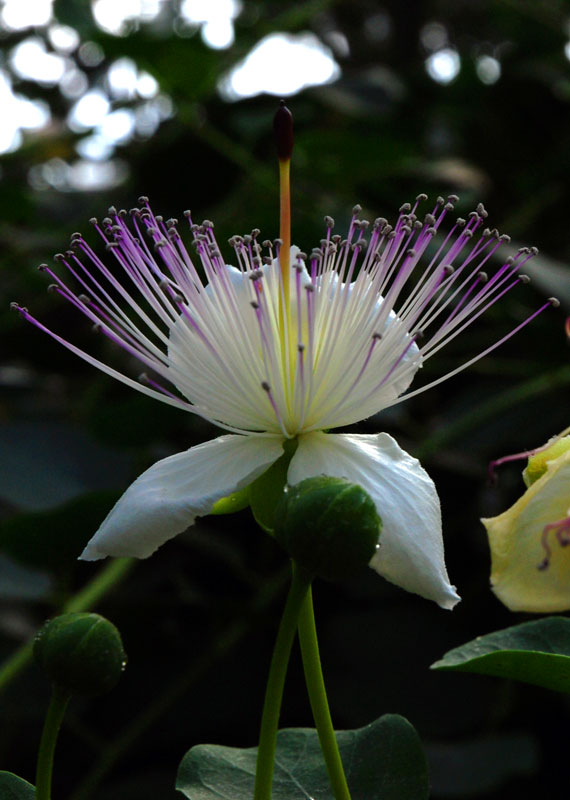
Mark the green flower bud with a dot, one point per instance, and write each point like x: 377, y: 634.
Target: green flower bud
x: 329, y: 526
x: 81, y: 653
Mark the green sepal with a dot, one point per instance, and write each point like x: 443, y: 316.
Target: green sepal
x: 266, y: 492
x: 536, y: 652
x: 14, y: 788
x: 232, y: 503
x: 383, y: 761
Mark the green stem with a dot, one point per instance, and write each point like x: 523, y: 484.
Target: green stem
x: 318, y: 697
x: 52, y: 724
x: 300, y: 584
x: 105, y: 579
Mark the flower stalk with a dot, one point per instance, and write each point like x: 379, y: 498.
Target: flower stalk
x: 54, y: 717
x: 300, y: 584
x: 318, y: 698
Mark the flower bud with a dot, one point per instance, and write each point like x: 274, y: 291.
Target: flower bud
x: 81, y: 653
x: 329, y: 526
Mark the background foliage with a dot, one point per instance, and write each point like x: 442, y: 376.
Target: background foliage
x: 198, y: 619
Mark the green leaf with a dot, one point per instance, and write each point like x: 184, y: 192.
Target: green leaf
x: 383, y: 761
x: 14, y: 788
x: 535, y: 652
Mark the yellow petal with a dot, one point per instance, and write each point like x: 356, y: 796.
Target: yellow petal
x: 517, y: 550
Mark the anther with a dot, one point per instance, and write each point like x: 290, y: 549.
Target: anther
x: 418, y: 336
x: 300, y: 347
x: 525, y: 250
x: 254, y: 304
x: 42, y: 267
x: 504, y: 237
x: 96, y: 328
x: 356, y: 209
x: 84, y: 299
x: 309, y: 287
x: 431, y: 231
x: 468, y: 233
x: 473, y: 215
x: 112, y: 245
x: 421, y: 197
x: 329, y: 222
x: 255, y: 233
x: 75, y: 235
x: 440, y: 201
x: 93, y: 221
x: 267, y: 260
x: 53, y: 287
x: 482, y: 277
x: 207, y: 223
x: 411, y: 252
x: 376, y: 336
x: 453, y: 198
x: 509, y: 261
x: 122, y: 212
x: 187, y: 213
x: 112, y: 211
x: 448, y: 269
x: 554, y: 302
x: 265, y: 386
x: 143, y: 378
x: 449, y: 207
x: 143, y: 199
x: 267, y: 243
x: 485, y: 233
x: 59, y: 257
x: 405, y: 208
x: 336, y: 238
x: 171, y: 222
x: 107, y: 221
x: 460, y: 222
x: 277, y: 242
x: 534, y: 251
x: 429, y: 219
x: 386, y: 230
x: 482, y: 211
x: 524, y: 278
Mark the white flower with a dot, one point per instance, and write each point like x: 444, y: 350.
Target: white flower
x: 270, y: 359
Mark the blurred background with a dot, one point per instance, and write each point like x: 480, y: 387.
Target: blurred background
x: 103, y: 101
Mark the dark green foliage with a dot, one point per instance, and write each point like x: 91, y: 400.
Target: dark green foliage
x: 383, y: 761
x: 535, y: 652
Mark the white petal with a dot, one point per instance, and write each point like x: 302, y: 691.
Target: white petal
x: 411, y: 545
x: 168, y: 497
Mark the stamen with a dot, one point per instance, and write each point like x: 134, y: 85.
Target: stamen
x: 561, y: 531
